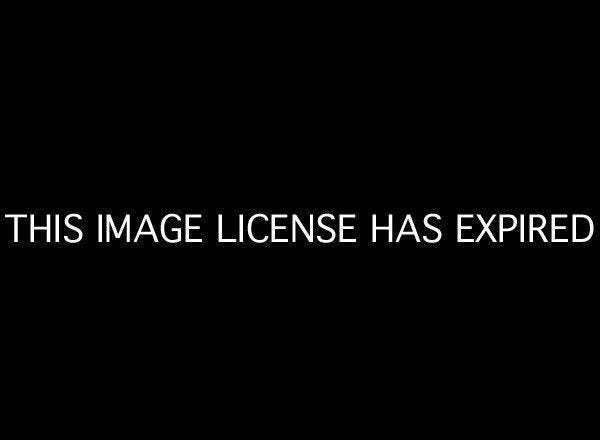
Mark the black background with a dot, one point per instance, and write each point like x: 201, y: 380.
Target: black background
x: 386, y: 112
